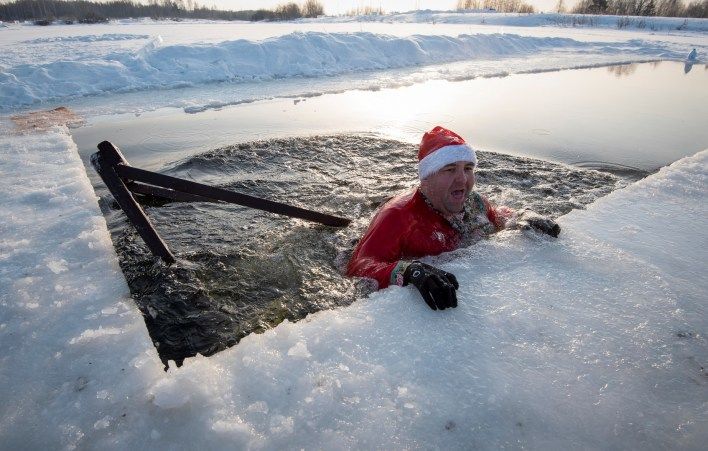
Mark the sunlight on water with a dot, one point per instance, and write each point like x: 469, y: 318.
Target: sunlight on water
x: 641, y: 115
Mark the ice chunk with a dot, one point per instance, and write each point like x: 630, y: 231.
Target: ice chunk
x: 169, y: 394
x: 90, y: 334
x: 57, y: 266
x: 103, y: 423
x: 299, y: 350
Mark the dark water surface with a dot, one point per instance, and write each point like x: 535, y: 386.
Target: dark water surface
x: 240, y: 270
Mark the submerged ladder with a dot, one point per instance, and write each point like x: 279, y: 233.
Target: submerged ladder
x: 123, y: 180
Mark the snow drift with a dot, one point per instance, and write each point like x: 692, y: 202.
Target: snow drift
x: 312, y: 54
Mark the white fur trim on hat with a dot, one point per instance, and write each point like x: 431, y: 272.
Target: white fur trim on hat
x: 444, y: 156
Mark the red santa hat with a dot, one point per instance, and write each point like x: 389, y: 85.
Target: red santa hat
x: 440, y: 147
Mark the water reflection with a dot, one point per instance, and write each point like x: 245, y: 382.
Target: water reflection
x: 622, y: 70
x: 625, y: 70
x: 640, y: 115
x: 690, y: 61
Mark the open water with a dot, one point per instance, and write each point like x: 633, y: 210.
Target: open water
x: 241, y: 270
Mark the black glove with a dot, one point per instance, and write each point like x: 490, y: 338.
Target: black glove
x: 435, y: 285
x: 529, y: 220
x: 545, y: 225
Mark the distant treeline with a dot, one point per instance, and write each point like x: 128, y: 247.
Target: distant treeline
x: 45, y: 11
x: 502, y: 6
x: 289, y: 11
x: 663, y: 8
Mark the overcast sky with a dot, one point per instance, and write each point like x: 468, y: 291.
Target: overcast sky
x: 342, y: 6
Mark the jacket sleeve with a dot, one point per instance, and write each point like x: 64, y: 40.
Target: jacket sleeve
x: 377, y: 254
x: 498, y: 215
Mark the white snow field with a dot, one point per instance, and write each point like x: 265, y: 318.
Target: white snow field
x: 592, y: 341
x: 47, y: 66
x: 596, y: 340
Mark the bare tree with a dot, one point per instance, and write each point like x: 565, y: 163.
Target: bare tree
x: 288, y: 11
x: 697, y: 8
x: 468, y: 4
x: 312, y: 8
x: 508, y: 6
x: 669, y: 8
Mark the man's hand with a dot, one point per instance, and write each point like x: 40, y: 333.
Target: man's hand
x: 435, y: 285
x: 530, y: 220
x: 545, y: 225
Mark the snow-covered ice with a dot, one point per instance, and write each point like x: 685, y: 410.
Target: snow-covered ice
x: 58, y: 271
x: 157, y: 66
x: 52, y: 68
x: 594, y: 340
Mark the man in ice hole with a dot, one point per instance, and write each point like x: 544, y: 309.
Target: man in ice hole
x: 441, y: 215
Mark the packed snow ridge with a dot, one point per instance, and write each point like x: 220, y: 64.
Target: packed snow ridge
x: 310, y: 54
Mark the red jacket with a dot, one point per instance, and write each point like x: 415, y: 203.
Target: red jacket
x: 406, y: 228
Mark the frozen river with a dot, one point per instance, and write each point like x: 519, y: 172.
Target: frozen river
x: 594, y: 340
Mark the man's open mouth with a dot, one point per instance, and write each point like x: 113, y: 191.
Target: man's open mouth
x: 458, y: 194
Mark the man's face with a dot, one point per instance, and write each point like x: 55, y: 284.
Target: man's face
x: 448, y: 188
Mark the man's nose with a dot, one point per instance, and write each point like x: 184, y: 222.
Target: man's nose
x: 461, y: 176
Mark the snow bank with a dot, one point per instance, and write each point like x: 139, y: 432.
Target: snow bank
x: 88, y: 38
x: 312, y: 54
x: 71, y: 339
x: 534, y: 20
x: 595, y: 340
